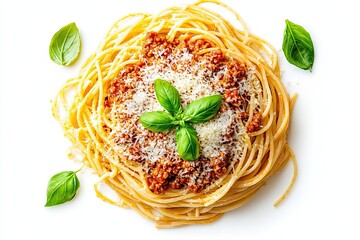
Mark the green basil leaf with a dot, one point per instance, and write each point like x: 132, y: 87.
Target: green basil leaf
x: 158, y: 121
x: 62, y: 187
x: 297, y: 46
x: 168, y: 96
x: 202, y: 109
x: 65, y: 45
x: 187, y: 143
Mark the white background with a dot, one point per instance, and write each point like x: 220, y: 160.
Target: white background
x: 324, y: 133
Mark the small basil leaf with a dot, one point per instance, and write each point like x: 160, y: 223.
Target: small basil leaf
x: 187, y: 143
x: 158, y: 121
x: 65, y: 45
x: 297, y: 46
x: 202, y: 109
x: 168, y: 96
x: 62, y: 187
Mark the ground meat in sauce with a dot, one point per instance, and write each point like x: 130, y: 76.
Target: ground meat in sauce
x: 255, y: 124
x: 171, y: 171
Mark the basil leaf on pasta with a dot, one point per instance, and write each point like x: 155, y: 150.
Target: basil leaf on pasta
x: 187, y: 143
x: 62, y: 187
x: 202, y: 109
x: 65, y: 45
x: 168, y: 96
x: 158, y: 121
x: 297, y: 46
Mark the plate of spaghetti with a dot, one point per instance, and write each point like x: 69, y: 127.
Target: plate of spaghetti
x: 200, y: 53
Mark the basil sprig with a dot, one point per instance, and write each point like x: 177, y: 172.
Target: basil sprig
x: 65, y: 45
x: 198, y: 111
x: 297, y: 46
x: 62, y: 187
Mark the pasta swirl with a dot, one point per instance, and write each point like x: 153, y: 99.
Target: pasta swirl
x: 90, y: 110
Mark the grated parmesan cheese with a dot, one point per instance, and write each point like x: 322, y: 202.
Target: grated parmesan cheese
x: 211, y: 133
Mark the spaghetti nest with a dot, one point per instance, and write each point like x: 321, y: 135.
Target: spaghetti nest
x: 201, y: 54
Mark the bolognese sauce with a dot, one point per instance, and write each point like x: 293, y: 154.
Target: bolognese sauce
x: 196, y: 69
